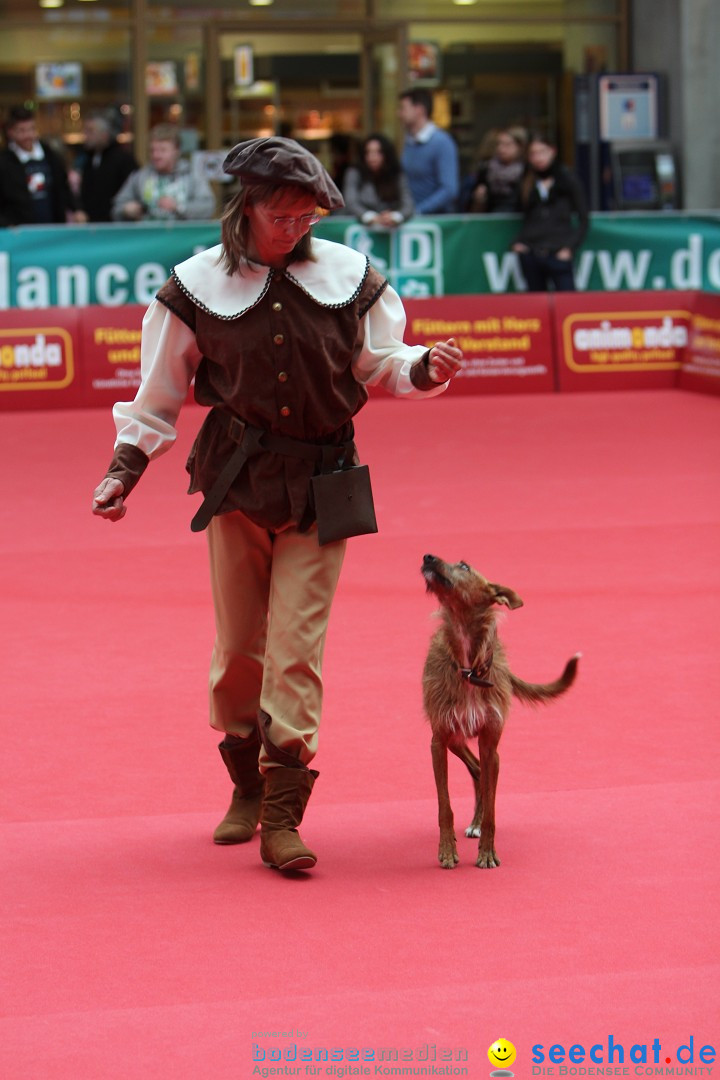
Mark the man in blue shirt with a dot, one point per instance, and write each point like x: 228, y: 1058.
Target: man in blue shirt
x: 430, y: 156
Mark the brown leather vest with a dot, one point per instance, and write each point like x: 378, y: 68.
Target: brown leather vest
x: 284, y: 366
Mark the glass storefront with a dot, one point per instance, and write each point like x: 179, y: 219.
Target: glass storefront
x: 312, y: 69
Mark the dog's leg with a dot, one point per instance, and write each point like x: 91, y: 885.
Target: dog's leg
x: 473, y: 765
x: 489, y: 769
x: 447, y: 851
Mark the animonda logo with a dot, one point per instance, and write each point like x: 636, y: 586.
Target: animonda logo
x: 36, y: 358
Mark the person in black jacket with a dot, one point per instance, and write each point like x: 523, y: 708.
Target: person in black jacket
x: 103, y: 166
x: 555, y: 219
x: 34, y: 188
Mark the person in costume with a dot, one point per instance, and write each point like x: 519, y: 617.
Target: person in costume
x: 283, y: 334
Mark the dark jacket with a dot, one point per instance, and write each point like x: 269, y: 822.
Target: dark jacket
x: 15, y: 200
x: 100, y: 183
x: 560, y: 220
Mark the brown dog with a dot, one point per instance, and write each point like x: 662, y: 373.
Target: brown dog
x: 467, y: 690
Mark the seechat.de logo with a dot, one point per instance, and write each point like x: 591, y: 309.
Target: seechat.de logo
x: 501, y: 1054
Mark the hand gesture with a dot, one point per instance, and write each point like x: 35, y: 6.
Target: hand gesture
x: 445, y: 360
x: 108, y: 499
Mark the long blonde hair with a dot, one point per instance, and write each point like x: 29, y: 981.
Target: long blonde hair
x: 235, y: 227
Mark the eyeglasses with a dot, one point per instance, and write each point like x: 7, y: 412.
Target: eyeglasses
x: 305, y: 220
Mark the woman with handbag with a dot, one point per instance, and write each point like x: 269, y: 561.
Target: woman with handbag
x: 283, y: 334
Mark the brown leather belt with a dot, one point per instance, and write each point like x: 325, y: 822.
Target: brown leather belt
x: 250, y: 441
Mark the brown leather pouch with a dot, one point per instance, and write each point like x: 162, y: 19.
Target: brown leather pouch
x: 343, y: 504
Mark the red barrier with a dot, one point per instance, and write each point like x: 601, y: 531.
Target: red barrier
x: 701, y: 367
x: 73, y: 357
x: 110, y: 343
x: 507, y: 340
x: 40, y: 366
x: 621, y: 341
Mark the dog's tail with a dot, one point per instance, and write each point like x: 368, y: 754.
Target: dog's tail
x: 537, y: 693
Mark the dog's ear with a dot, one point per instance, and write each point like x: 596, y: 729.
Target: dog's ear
x: 506, y: 596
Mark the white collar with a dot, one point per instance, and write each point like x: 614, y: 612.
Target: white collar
x: 425, y: 133
x: 333, y: 280
x: 36, y: 154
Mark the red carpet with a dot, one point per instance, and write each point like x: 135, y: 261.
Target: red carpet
x: 134, y: 948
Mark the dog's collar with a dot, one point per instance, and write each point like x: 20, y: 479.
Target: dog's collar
x: 475, y: 675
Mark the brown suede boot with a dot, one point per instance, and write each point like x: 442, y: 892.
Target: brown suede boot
x: 241, y: 760
x: 286, y: 794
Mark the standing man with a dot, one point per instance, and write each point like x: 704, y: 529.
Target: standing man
x: 166, y: 189
x: 34, y: 187
x: 104, y: 165
x: 430, y: 156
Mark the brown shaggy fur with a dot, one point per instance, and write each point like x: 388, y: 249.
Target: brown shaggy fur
x: 467, y: 691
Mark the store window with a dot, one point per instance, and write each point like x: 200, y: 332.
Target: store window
x: 174, y: 81
x: 50, y: 11
x: 299, y: 84
x: 526, y: 10
x: 64, y: 73
x: 486, y: 75
x: 259, y: 10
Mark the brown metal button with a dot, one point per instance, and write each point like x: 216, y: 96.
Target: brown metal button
x: 277, y: 306
x: 283, y: 376
x: 284, y: 411
x: 279, y: 339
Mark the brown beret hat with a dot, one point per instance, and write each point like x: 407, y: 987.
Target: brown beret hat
x: 276, y: 160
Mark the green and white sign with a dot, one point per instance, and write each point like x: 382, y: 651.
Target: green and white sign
x: 112, y: 265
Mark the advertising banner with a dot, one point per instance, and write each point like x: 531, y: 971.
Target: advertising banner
x: 114, y: 265
x: 39, y: 363
x: 110, y: 265
x: 621, y: 342
x: 110, y: 344
x: 507, y: 340
x: 69, y: 358
x: 701, y: 368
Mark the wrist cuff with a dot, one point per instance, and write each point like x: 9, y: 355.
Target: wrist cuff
x: 128, y: 465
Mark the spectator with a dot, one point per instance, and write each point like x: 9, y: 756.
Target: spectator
x: 430, y: 156
x: 496, y: 186
x: 34, y: 186
x: 166, y: 189
x: 551, y: 198
x: 377, y: 191
x: 103, y: 167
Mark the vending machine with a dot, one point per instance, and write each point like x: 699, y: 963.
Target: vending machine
x: 622, y: 155
x: 644, y: 176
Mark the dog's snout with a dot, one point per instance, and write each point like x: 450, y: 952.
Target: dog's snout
x: 427, y: 559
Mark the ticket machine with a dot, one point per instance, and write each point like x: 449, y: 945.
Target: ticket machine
x: 621, y: 154
x: 644, y: 176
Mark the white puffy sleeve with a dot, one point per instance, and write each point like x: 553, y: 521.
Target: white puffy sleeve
x: 383, y: 359
x: 169, y: 357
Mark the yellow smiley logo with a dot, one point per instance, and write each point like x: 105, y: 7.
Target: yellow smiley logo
x: 501, y: 1053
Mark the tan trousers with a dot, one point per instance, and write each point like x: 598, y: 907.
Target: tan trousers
x: 272, y: 594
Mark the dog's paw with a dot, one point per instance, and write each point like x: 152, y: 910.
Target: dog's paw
x: 487, y: 860
x: 448, y: 857
x: 473, y: 830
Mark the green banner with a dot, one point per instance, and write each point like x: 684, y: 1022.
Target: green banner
x: 112, y: 265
